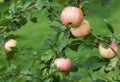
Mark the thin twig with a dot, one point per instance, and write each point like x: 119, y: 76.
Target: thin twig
x: 53, y: 12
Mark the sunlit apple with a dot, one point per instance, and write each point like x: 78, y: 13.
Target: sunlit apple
x: 82, y: 30
x: 71, y: 16
x: 63, y: 64
x: 9, y: 44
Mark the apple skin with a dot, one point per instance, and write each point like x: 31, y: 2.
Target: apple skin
x: 71, y: 16
x: 108, y: 52
x: 63, y: 64
x: 82, y: 30
x: 10, y: 43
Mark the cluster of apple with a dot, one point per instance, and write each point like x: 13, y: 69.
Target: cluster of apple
x: 73, y: 17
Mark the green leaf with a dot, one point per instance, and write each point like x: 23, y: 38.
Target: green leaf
x: 89, y: 39
x: 20, y: 79
x: 86, y: 4
x: 74, y: 45
x: 27, y: 3
x: 22, y: 21
x: 11, y: 68
x: 56, y: 29
x: 110, y: 27
x: 40, y: 3
x: 1, y: 39
x: 50, y: 41
x: 2, y: 68
x: 4, y: 22
x: 112, y: 64
x: 47, y: 58
x: 26, y: 72
x: 77, y: 76
x: 54, y: 4
x: 11, y: 54
x: 84, y: 48
x: 74, y: 67
x: 93, y: 63
x: 117, y: 78
x: 12, y: 8
x: 63, y: 44
x: 14, y: 26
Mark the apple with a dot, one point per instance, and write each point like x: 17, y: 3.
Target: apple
x: 82, y: 30
x: 71, y: 16
x: 9, y: 44
x: 108, y: 52
x: 63, y: 64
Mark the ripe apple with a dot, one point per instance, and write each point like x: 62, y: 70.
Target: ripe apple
x: 9, y: 44
x: 63, y: 64
x: 108, y: 52
x: 82, y: 30
x: 71, y: 16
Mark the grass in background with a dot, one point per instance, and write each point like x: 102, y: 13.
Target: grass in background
x: 33, y: 34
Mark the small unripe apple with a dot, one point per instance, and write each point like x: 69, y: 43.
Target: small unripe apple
x: 63, y: 64
x: 108, y: 52
x: 9, y: 44
x: 82, y: 30
x: 71, y: 16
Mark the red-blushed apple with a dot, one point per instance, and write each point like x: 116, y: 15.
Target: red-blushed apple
x: 71, y: 16
x: 108, y: 52
x: 63, y: 64
x: 82, y: 30
x: 9, y: 44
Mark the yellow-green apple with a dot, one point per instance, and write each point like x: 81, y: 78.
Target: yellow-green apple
x: 82, y: 30
x: 108, y: 52
x: 71, y: 16
x: 9, y: 44
x: 63, y: 64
